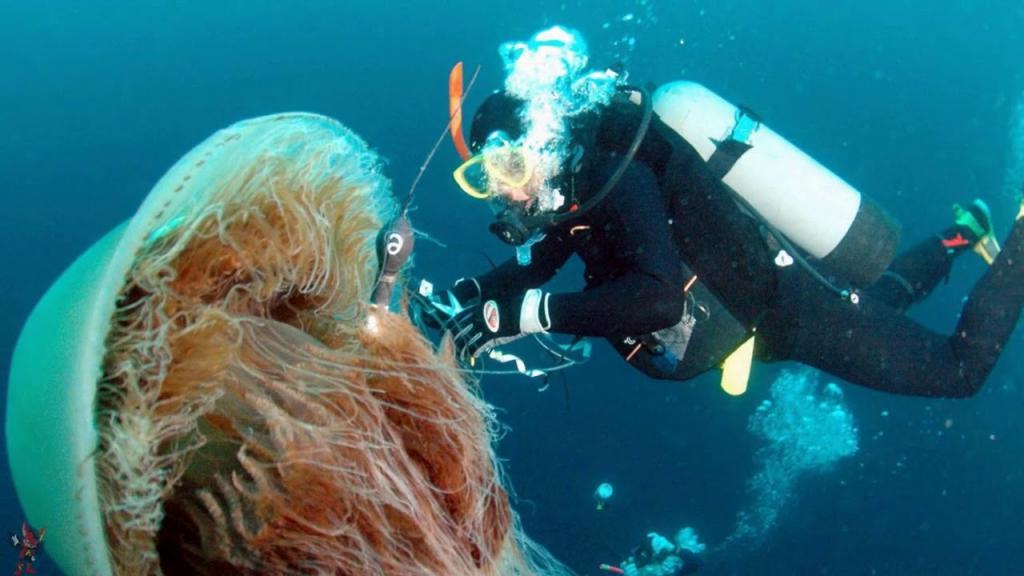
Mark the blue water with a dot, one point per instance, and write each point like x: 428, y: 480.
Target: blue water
x: 911, y: 101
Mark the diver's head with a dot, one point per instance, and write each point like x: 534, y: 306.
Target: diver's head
x: 506, y: 167
x: 517, y: 161
x: 522, y: 138
x: 520, y: 177
x: 500, y: 112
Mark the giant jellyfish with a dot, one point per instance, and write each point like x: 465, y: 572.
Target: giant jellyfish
x: 207, y: 389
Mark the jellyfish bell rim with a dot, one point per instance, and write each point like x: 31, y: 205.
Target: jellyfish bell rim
x: 51, y: 435
x: 51, y: 432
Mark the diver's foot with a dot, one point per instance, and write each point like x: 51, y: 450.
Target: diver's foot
x: 974, y: 229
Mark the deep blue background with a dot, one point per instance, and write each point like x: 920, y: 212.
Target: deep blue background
x: 908, y: 100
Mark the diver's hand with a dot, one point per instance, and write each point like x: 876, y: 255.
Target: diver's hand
x: 482, y: 327
x: 439, y: 309
x: 466, y: 291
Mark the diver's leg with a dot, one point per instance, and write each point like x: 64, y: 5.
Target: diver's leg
x: 874, y: 345
x: 915, y: 273
x: 993, y: 307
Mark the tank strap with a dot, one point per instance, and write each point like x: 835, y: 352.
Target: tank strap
x: 729, y: 151
x: 725, y: 156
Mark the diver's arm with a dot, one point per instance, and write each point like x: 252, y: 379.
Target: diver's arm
x: 636, y: 304
x: 547, y: 257
x: 647, y: 296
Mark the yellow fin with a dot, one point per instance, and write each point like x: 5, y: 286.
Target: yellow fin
x: 736, y: 369
x: 988, y: 248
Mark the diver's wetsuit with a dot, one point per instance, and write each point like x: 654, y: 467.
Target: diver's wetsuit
x: 635, y: 275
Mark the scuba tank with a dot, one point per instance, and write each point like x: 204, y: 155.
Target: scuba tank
x: 815, y: 209
x: 806, y: 209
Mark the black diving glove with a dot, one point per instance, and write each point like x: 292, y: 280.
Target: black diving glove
x: 480, y: 328
x: 466, y: 291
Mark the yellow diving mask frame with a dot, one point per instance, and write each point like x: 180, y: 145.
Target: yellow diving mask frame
x: 505, y: 164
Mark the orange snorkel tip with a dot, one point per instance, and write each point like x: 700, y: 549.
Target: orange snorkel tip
x: 455, y: 97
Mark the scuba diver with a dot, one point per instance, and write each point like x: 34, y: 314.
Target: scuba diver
x: 659, y: 556
x: 708, y: 240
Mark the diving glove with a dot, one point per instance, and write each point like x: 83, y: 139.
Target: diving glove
x: 482, y: 327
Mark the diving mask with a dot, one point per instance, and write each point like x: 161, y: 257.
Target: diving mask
x: 501, y: 168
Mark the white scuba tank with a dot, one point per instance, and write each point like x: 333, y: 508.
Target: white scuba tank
x: 815, y: 209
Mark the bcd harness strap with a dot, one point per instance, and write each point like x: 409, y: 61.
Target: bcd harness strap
x: 737, y: 365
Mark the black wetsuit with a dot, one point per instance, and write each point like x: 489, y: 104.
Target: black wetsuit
x: 669, y: 218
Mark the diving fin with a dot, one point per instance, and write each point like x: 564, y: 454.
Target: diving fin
x: 977, y: 218
x: 736, y: 369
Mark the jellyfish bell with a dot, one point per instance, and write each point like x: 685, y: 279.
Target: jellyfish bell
x: 58, y: 362
x: 198, y: 392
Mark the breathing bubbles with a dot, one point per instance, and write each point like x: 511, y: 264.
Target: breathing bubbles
x: 631, y: 21
x: 548, y: 72
x: 806, y: 428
